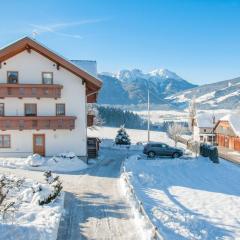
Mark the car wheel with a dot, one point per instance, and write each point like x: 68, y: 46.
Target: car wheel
x: 176, y: 155
x: 151, y: 154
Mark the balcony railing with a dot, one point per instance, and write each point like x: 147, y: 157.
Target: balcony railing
x: 30, y: 90
x: 37, y: 122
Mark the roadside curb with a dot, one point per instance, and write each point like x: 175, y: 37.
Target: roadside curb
x: 139, y: 205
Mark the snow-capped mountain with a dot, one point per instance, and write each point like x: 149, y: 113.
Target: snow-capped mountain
x: 129, y: 86
x: 224, y: 94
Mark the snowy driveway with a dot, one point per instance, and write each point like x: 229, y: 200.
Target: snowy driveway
x: 95, y: 207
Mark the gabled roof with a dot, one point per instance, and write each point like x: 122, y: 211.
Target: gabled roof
x: 26, y: 43
x: 234, y: 120
x: 207, y: 120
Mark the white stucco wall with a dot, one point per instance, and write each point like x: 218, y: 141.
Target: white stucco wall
x: 30, y: 68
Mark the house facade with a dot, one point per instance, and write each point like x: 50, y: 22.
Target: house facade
x: 43, y: 101
x: 227, y: 132
x: 203, y: 128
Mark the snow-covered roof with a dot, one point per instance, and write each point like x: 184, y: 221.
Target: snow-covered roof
x: 208, y: 120
x: 234, y: 121
x: 87, y: 65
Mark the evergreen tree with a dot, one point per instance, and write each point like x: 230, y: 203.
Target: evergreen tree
x: 122, y: 137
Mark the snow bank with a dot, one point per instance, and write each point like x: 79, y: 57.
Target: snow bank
x: 189, y: 199
x: 35, y: 160
x: 30, y: 220
x: 64, y: 162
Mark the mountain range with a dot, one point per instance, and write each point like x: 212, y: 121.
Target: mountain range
x: 129, y: 86
x: 167, y: 90
x: 220, y: 95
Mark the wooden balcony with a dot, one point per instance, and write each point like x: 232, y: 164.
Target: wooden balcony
x: 37, y: 122
x: 30, y: 90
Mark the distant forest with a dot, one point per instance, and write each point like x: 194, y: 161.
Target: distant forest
x: 116, y: 117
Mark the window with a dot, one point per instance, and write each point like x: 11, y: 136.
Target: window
x: 205, y: 130
x: 1, y: 109
x: 201, y: 138
x: 164, y: 146
x: 30, y: 109
x: 4, y: 141
x: 60, y: 109
x: 47, y: 78
x: 12, y: 77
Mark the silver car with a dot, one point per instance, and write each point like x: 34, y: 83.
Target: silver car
x: 161, y: 149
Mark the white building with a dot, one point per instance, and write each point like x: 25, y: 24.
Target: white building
x: 43, y: 100
x: 203, y: 127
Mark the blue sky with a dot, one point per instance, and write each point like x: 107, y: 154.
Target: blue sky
x: 197, y: 39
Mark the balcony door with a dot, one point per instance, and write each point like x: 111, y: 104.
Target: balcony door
x: 39, y: 144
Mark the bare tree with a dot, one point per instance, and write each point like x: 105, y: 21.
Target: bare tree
x: 92, y: 110
x: 175, y: 130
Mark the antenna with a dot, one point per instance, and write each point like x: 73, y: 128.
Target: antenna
x: 34, y: 34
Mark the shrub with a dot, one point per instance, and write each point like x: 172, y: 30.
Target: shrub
x: 209, y: 151
x: 55, y: 184
x: 122, y: 137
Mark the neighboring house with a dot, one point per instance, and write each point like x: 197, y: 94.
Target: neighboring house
x: 43, y: 101
x: 227, y: 131
x: 203, y: 127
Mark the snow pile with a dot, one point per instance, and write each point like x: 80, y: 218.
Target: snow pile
x: 29, y: 220
x: 188, y: 199
x: 64, y: 162
x: 35, y: 160
x: 140, y: 220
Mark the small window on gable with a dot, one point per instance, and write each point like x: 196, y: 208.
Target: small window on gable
x: 4, y: 141
x: 60, y: 109
x: 12, y: 77
x: 47, y: 78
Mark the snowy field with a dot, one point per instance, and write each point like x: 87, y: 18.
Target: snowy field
x: 64, y: 162
x: 136, y: 136
x: 188, y: 198
x: 159, y: 116
x: 27, y: 219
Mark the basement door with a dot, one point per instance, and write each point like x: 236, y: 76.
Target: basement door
x: 39, y: 144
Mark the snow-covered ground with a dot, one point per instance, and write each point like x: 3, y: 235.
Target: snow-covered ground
x: 108, y: 134
x: 188, y: 198
x: 29, y: 220
x: 65, y: 162
x: 159, y: 116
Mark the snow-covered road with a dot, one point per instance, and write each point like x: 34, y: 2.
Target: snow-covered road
x: 95, y: 206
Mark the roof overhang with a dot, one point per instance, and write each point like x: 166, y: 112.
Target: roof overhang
x: 93, y: 84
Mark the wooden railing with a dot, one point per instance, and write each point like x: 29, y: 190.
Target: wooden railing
x: 30, y: 90
x: 37, y: 122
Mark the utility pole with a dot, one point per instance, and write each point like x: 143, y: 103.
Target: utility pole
x: 213, y: 122
x: 148, y: 107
